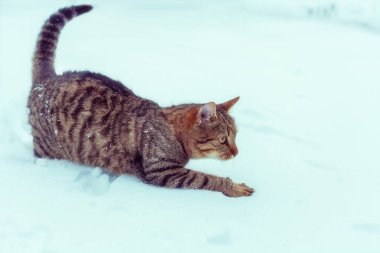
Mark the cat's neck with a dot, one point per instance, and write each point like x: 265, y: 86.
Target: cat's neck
x: 182, y: 119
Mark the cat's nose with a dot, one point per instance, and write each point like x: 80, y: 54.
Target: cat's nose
x: 234, y: 150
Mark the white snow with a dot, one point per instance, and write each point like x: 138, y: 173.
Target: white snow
x: 308, y: 123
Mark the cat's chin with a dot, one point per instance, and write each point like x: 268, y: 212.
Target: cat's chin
x: 213, y: 155
x: 218, y: 157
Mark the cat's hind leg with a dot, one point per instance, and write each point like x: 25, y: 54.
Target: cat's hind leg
x: 41, y: 149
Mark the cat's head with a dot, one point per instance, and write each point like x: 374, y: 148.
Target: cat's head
x: 213, y: 131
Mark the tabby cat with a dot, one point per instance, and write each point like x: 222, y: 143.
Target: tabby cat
x: 91, y: 119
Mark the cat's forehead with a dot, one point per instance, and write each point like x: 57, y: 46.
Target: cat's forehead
x: 226, y: 121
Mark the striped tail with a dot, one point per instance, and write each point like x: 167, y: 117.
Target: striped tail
x: 43, y: 59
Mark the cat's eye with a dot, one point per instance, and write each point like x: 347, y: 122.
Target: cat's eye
x: 223, y: 140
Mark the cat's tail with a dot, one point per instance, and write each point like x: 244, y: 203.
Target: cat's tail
x: 43, y: 59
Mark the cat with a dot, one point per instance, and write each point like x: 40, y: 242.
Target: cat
x: 91, y: 119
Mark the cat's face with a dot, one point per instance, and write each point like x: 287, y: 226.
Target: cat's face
x: 214, y: 132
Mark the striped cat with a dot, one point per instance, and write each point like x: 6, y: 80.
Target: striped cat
x: 91, y: 119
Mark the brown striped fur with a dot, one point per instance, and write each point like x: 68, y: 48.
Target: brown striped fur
x: 91, y: 119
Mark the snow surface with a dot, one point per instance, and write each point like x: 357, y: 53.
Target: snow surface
x: 308, y: 137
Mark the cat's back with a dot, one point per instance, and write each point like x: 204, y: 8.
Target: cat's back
x: 78, y: 81
x: 74, y: 93
x: 78, y: 92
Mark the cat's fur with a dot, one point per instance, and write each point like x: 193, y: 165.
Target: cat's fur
x: 91, y: 119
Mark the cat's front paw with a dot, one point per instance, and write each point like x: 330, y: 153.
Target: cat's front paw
x: 239, y: 190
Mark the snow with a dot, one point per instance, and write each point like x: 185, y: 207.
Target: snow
x: 308, y: 122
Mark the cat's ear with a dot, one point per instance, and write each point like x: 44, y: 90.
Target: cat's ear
x: 227, y: 105
x: 206, y: 113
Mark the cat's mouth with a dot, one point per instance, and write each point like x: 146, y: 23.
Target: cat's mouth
x: 226, y: 157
